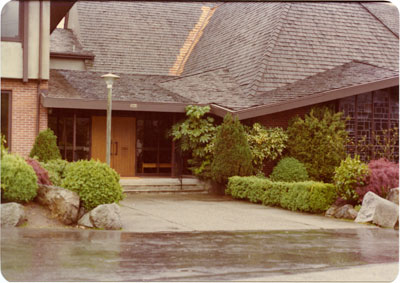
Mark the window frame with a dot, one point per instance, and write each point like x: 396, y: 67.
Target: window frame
x: 9, y: 124
x: 20, y: 36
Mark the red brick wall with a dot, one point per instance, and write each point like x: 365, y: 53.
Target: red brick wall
x: 24, y: 113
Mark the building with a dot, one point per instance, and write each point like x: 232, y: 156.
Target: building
x: 264, y: 61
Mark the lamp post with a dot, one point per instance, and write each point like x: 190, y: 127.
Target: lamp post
x: 109, y: 79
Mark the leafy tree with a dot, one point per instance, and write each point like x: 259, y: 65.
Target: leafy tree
x: 319, y: 142
x: 232, y: 155
x: 45, y: 147
x: 196, y: 134
x: 265, y: 144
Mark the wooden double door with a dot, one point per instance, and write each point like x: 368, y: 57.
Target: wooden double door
x: 123, y: 143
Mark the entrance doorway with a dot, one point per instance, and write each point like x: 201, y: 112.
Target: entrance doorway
x: 123, y: 143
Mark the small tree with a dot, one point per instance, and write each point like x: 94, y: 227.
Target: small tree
x: 45, y: 147
x: 196, y: 135
x: 319, y: 142
x: 232, y: 155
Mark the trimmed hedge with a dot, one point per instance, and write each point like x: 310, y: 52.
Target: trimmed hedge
x: 289, y: 169
x: 307, y: 196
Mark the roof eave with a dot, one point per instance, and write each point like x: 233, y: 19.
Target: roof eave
x: 62, y: 55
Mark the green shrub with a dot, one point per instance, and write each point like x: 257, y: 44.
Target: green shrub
x: 45, y: 146
x: 56, y: 170
x: 289, y: 169
x: 265, y: 144
x: 351, y: 173
x: 319, y: 142
x: 196, y: 135
x: 308, y: 196
x: 18, y: 179
x: 232, y: 155
x: 95, y: 182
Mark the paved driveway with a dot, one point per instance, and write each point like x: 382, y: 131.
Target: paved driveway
x: 203, y: 212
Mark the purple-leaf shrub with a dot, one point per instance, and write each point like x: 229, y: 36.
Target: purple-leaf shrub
x: 383, y: 176
x: 41, y: 173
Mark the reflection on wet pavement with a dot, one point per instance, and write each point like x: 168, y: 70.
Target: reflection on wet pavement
x: 91, y: 255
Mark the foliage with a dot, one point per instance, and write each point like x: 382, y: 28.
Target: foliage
x: 383, y: 176
x: 380, y: 145
x: 351, y: 173
x: 265, y: 144
x: 308, y: 196
x: 319, y: 142
x: 196, y: 135
x: 45, y: 146
x: 41, y: 173
x: 289, y: 169
x: 18, y: 179
x: 232, y: 155
x: 3, y: 145
x: 95, y: 182
x: 56, y: 170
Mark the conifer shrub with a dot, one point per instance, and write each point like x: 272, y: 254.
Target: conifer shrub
x: 45, y: 146
x: 95, y: 183
x: 41, y: 173
x: 289, y: 169
x: 383, y: 176
x: 232, y: 155
x: 56, y: 170
x: 351, y: 173
x: 18, y: 179
x: 319, y: 142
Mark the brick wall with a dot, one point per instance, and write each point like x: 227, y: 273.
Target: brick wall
x: 24, y: 113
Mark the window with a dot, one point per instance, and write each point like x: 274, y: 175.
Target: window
x: 6, y: 116
x: 11, y: 21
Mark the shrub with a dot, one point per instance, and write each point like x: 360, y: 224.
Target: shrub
x: 289, y: 169
x: 232, y: 155
x: 383, y: 176
x: 45, y: 146
x: 308, y: 196
x: 56, y: 170
x: 265, y: 144
x: 319, y: 142
x: 351, y: 173
x: 95, y: 182
x: 196, y: 135
x: 41, y: 173
x: 18, y: 179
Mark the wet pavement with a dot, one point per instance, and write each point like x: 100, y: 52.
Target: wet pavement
x: 94, y: 255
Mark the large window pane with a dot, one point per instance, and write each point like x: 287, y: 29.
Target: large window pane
x: 10, y: 20
x: 5, y: 105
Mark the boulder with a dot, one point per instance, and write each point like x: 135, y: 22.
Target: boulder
x: 331, y: 211
x: 63, y: 203
x: 393, y: 196
x: 12, y: 214
x: 346, y: 211
x: 106, y: 216
x: 378, y: 210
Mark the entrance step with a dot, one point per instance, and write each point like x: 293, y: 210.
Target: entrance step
x: 138, y: 185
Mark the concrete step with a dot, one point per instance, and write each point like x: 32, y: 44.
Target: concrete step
x: 137, y: 185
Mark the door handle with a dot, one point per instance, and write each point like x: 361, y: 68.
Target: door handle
x: 116, y: 148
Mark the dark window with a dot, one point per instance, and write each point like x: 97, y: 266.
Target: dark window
x: 6, y: 116
x: 11, y: 21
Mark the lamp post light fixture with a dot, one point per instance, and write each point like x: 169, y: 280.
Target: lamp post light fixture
x: 109, y: 79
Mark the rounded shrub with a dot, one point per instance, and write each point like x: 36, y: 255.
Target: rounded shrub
x: 18, y: 179
x: 289, y: 169
x: 45, y: 146
x: 56, y: 170
x: 351, y: 173
x: 95, y: 182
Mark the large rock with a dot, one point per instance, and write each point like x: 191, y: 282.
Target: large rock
x: 346, y: 211
x: 393, y: 196
x: 105, y: 216
x: 331, y: 211
x: 63, y: 203
x: 378, y: 210
x: 12, y: 214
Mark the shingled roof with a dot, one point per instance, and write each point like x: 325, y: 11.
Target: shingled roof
x: 268, y: 45
x: 65, y: 42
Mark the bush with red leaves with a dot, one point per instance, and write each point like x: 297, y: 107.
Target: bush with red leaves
x: 41, y: 173
x: 383, y: 176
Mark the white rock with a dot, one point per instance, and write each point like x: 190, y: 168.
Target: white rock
x: 12, y: 214
x: 106, y: 216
